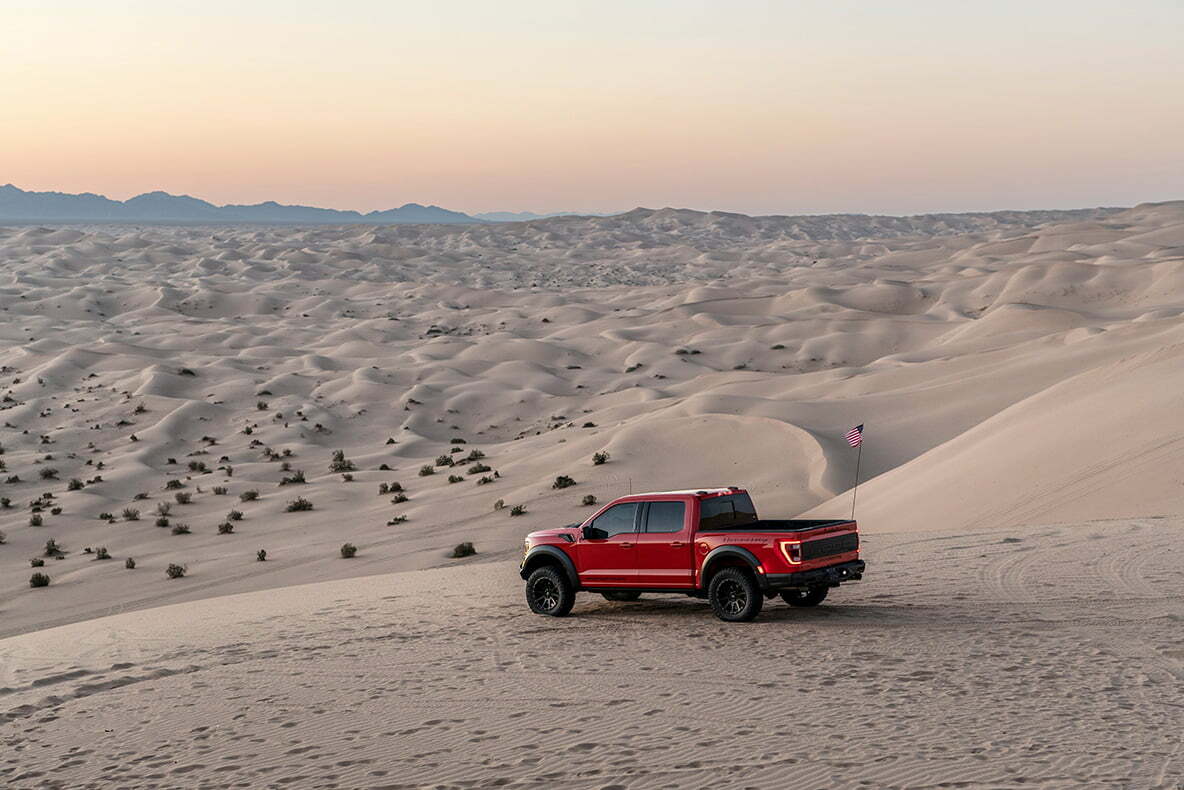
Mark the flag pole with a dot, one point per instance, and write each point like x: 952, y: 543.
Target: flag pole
x: 855, y: 490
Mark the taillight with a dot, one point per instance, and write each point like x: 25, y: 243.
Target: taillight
x: 792, y: 550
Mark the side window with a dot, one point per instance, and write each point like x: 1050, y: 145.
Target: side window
x: 726, y: 511
x: 617, y: 519
x: 665, y: 517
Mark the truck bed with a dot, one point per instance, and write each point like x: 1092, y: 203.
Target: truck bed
x: 782, y: 525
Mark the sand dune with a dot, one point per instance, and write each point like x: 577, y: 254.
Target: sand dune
x: 1048, y: 656
x: 1012, y: 369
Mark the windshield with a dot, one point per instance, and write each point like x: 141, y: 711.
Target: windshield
x: 733, y: 510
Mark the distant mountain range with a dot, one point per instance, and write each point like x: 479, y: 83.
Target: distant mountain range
x: 18, y: 205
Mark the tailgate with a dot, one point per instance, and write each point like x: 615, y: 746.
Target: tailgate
x: 829, y: 546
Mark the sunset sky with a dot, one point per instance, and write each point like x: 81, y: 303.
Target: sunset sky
x: 760, y: 107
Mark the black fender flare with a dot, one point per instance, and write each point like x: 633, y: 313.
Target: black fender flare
x: 728, y: 552
x: 559, y: 554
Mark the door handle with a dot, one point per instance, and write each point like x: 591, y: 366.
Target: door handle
x: 676, y: 544
x: 625, y: 545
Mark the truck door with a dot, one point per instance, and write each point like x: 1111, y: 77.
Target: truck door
x: 610, y: 558
x: 664, y: 556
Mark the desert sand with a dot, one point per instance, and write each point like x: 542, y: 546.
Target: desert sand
x: 1019, y: 376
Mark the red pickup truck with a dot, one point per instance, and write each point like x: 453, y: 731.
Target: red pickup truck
x: 704, y: 543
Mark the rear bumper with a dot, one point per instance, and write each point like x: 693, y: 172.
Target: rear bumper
x: 830, y: 576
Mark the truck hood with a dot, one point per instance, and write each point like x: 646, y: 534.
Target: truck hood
x: 569, y: 532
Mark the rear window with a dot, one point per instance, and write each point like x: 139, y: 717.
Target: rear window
x: 721, y: 512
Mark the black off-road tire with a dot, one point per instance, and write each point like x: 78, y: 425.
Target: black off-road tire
x: 808, y: 597
x: 735, y: 596
x: 549, y: 592
x: 621, y: 595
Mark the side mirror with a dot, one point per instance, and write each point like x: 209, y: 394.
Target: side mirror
x: 592, y: 533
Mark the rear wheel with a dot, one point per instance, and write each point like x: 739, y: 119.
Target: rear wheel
x: 549, y: 592
x: 735, y: 596
x: 811, y: 596
x: 621, y: 595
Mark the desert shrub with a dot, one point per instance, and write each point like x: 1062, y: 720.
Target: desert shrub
x: 588, y: 425
x: 106, y: 517
x: 463, y: 550
x: 477, y: 469
x: 248, y: 496
x: 399, y: 499
x: 12, y: 479
x: 474, y: 455
x: 183, y: 497
x: 286, y: 466
x: 35, y: 520
x: 141, y: 495
x: 5, y: 502
x: 130, y: 564
x: 225, y: 528
x: 55, y: 511
x: 298, y: 504
x: 384, y: 489
x: 296, y: 478
x: 162, y: 521
x: 394, y: 488
x: 563, y: 481
x: 101, y: 553
x: 37, y: 562
x: 163, y: 508
x: 599, y: 458
x: 500, y: 504
x: 53, y: 548
x: 633, y: 368
x: 38, y: 580
x: 485, y: 480
x: 48, y: 473
x: 348, y: 550
x: 396, y: 520
x: 426, y: 470
x: 173, y: 485
x: 220, y: 490
x: 347, y: 478
x: 261, y: 405
x: 3, y: 537
x: 174, y: 571
x: 181, y: 529
x: 261, y: 555
x: 778, y: 347
x: 198, y: 466
x: 457, y: 440
x: 589, y: 499
x: 186, y: 372
x: 340, y: 463
x: 455, y: 479
x: 517, y: 510
x: 75, y: 484
x: 444, y: 460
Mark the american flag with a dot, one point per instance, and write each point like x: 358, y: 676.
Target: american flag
x: 855, y: 436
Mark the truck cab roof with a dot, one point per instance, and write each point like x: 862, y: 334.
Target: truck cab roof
x: 701, y: 493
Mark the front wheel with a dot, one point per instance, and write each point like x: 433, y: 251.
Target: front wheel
x: 621, y: 595
x: 549, y: 592
x: 735, y: 596
x: 811, y: 596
